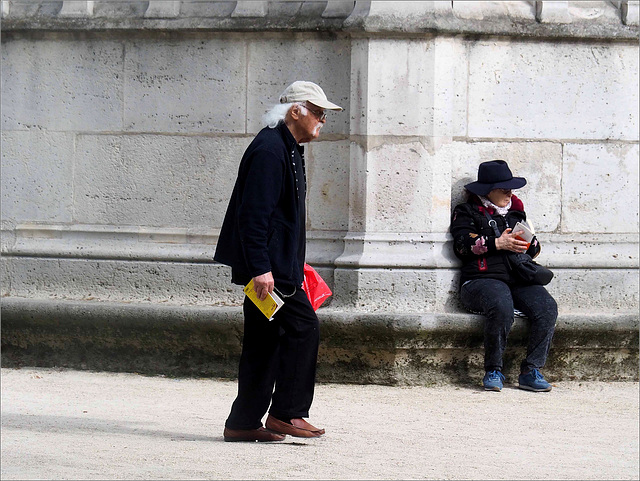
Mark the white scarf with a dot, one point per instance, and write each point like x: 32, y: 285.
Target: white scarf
x: 500, y: 210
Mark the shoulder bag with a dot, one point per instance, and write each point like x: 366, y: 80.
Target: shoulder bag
x: 522, y: 266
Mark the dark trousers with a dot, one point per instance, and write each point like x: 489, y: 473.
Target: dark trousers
x: 496, y: 300
x: 283, y: 352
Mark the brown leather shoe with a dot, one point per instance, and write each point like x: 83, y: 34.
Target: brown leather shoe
x: 251, y: 435
x: 298, y: 428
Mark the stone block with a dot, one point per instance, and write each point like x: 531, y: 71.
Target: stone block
x: 538, y: 162
x: 37, y: 176
x: 292, y: 10
x: 155, y: 180
x: 323, y: 248
x: 328, y: 185
x: 397, y: 16
x: 162, y: 9
x: 386, y: 290
x: 421, y: 90
x: 436, y: 290
x: 450, y: 72
x: 103, y: 241
x: 590, y: 251
x: 206, y: 9
x: 631, y: 13
x: 338, y: 9
x: 553, y: 12
x: 587, y: 12
x: 517, y: 11
x: 11, y: 9
x: 393, y: 91
x: 250, y: 9
x: 76, y: 8
x: 275, y: 61
x: 40, y: 9
x: 415, y: 197
x: 397, y: 251
x: 535, y: 90
x: 600, y: 188
x: 5, y: 279
x: 405, y: 190
x: 186, y: 85
x: 611, y: 291
x: 74, y: 84
x: 120, y: 10
x: 170, y: 283
x: 396, y: 290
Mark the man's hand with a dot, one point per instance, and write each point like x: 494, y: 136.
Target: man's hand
x: 509, y: 242
x: 263, y: 285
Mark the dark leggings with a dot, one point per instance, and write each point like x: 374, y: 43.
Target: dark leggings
x: 496, y: 300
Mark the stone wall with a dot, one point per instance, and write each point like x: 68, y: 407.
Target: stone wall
x: 123, y: 124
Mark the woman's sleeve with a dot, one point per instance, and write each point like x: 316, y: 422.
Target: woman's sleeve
x: 467, y: 241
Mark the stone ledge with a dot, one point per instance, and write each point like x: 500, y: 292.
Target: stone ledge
x: 357, y: 250
x: 602, y: 19
x: 356, y: 347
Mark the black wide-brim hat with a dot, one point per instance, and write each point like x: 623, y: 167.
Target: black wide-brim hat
x: 494, y: 174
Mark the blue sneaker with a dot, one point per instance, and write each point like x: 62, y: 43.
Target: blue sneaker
x: 533, y: 381
x: 493, y: 380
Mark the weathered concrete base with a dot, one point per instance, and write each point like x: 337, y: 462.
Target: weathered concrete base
x: 355, y: 347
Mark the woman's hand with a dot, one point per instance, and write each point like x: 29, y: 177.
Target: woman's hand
x: 263, y: 284
x: 508, y: 242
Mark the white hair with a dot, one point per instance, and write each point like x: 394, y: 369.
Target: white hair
x: 278, y: 112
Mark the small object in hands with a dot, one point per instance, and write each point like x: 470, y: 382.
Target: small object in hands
x: 269, y: 306
x: 526, y: 234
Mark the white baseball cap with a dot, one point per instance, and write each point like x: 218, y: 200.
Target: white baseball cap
x: 302, y: 91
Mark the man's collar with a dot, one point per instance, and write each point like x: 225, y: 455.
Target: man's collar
x: 286, y: 133
x: 289, y: 138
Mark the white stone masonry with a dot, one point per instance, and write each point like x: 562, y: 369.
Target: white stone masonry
x: 123, y: 125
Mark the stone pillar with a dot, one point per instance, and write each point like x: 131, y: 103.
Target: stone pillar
x: 405, y: 102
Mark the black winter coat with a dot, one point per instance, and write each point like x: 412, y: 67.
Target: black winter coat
x: 474, y: 240
x: 264, y: 226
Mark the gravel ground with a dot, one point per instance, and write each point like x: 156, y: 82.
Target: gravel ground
x: 62, y: 424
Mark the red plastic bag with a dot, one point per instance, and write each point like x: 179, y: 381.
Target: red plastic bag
x: 316, y: 288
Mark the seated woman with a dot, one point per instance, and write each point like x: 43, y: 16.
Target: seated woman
x: 487, y: 285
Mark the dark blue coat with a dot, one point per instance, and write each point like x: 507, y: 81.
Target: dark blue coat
x: 264, y: 226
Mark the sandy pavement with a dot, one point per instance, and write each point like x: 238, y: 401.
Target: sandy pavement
x: 61, y: 424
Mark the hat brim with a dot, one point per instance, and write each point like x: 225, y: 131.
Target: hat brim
x: 325, y: 104
x: 480, y: 188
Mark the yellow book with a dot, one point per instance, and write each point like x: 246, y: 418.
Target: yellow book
x: 269, y: 306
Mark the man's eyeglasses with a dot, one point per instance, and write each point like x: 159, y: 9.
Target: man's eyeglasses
x: 320, y: 115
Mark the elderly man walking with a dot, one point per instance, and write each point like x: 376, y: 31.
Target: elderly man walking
x: 263, y: 238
